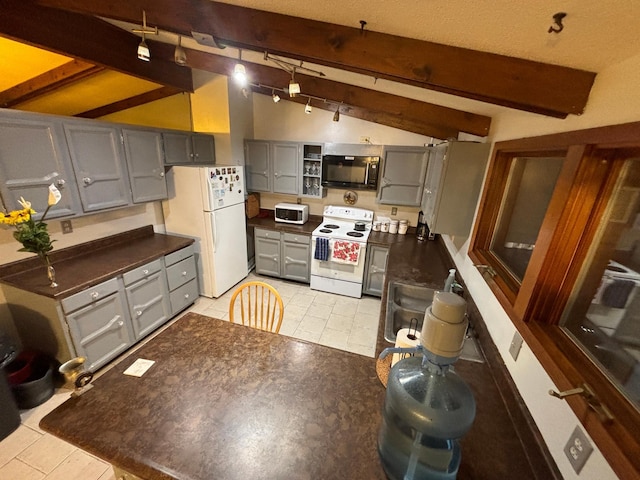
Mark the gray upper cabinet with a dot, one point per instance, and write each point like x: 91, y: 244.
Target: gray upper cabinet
x: 187, y: 148
x: 258, y: 166
x: 145, y: 162
x: 402, y: 177
x: 33, y: 154
x: 285, y: 159
x: 272, y: 166
x: 98, y: 162
x: 452, y: 186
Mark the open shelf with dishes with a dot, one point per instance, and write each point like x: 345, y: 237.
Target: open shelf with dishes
x: 311, y: 171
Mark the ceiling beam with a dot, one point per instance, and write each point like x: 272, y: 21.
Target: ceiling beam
x: 47, y: 82
x: 391, y: 110
x: 87, y: 38
x: 135, y: 101
x: 512, y: 82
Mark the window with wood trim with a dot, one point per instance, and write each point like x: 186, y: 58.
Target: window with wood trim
x: 557, y: 239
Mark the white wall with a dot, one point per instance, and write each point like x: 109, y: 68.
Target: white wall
x: 614, y: 99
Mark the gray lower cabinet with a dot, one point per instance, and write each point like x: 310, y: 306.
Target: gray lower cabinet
x: 188, y: 148
x: 98, y: 161
x: 284, y: 255
x: 267, y: 247
x: 375, y: 270
x: 34, y: 154
x: 145, y: 163
x: 104, y: 320
x: 181, y: 278
x: 147, y: 297
x: 402, y: 176
x: 98, y: 322
x: 296, y: 257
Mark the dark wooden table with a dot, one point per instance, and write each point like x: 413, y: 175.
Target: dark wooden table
x: 228, y: 402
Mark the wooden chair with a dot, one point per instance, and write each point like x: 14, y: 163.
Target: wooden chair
x: 260, y: 306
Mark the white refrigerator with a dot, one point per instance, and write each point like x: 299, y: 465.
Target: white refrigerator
x: 207, y: 204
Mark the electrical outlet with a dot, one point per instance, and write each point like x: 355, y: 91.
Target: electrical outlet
x: 394, y: 210
x: 578, y: 449
x: 365, y: 139
x: 298, y: 200
x: 66, y: 226
x: 516, y: 345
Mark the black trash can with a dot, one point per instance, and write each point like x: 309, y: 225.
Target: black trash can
x: 9, y: 413
x: 38, y: 386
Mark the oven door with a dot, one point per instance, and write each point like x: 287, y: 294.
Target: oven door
x: 339, y: 278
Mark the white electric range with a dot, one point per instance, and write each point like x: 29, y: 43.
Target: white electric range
x: 339, y: 247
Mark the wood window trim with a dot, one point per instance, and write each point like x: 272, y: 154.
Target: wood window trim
x: 582, y: 185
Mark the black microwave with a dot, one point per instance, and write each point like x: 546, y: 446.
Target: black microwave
x: 352, y: 172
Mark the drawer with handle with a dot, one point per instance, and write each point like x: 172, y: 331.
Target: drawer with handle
x: 91, y: 294
x: 176, y: 257
x: 183, y: 296
x: 142, y: 272
x: 181, y: 272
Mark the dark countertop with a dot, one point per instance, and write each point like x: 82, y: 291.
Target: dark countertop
x: 227, y: 402
x: 91, y: 263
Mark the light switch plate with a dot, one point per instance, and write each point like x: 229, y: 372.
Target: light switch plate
x: 578, y: 449
x: 516, y: 345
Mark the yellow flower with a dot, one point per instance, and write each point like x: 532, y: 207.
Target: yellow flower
x: 16, y: 217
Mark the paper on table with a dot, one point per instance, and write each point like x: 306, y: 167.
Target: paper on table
x: 139, y: 367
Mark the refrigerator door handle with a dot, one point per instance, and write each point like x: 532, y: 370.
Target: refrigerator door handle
x: 215, y: 231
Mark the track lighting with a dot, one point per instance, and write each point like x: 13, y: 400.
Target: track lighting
x: 275, y: 96
x: 294, y: 87
x: 143, y: 49
x: 307, y: 107
x: 179, y: 55
x: 336, y: 116
x: 239, y: 72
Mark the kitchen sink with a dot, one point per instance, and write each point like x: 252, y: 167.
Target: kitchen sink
x: 406, y: 305
x: 405, y: 302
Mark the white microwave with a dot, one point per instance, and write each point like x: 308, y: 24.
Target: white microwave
x: 292, y: 213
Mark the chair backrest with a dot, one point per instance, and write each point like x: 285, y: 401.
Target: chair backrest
x: 259, y: 306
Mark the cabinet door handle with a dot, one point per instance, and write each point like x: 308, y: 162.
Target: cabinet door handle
x: 186, y: 295
x: 87, y: 181
x: 60, y: 183
x: 121, y: 323
x: 161, y: 174
x: 145, y: 271
x: 184, y: 274
x: 95, y: 295
x: 139, y: 313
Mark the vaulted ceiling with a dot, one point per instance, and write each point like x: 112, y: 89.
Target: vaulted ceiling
x: 410, y: 66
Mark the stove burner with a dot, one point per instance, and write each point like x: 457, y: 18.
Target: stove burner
x: 325, y: 230
x: 330, y: 225
x: 355, y: 234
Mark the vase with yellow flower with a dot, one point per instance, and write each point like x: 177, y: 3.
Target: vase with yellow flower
x: 32, y: 234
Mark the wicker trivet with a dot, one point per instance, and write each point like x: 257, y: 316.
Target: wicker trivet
x: 382, y: 369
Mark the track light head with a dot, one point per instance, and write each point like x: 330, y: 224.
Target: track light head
x: 294, y: 88
x: 179, y: 55
x: 240, y: 74
x: 143, y: 51
x: 336, y: 116
x: 307, y: 107
x: 275, y: 96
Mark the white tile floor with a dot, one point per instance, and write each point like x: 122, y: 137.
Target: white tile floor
x: 340, y: 322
